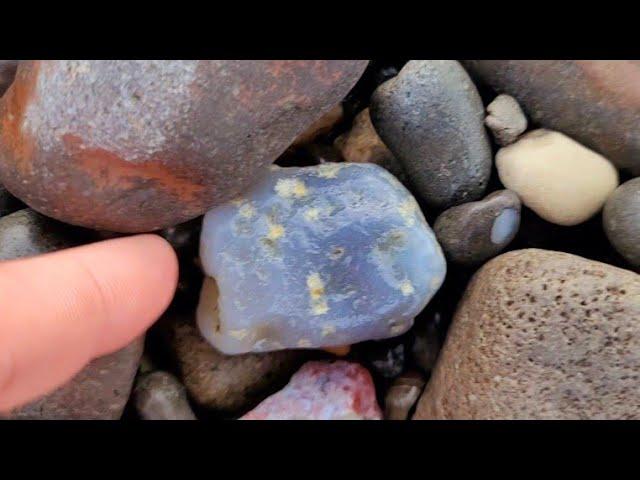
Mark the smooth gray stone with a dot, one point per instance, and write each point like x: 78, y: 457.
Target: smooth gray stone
x: 432, y: 118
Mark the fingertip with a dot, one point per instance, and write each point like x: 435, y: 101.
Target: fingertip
x: 137, y: 277
x: 61, y: 310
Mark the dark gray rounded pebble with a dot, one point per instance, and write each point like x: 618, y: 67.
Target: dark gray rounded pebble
x: 432, y: 118
x: 471, y: 233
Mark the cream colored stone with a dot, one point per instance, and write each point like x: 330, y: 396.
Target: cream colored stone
x: 556, y: 177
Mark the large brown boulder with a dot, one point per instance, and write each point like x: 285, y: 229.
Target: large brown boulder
x: 134, y: 146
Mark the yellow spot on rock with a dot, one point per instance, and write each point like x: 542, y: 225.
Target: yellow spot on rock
x: 407, y: 210
x: 329, y: 170
x: 315, y: 285
x: 312, y: 214
x: 328, y: 329
x: 291, y: 188
x: 406, y: 288
x: 238, y: 334
x: 396, y: 329
x: 320, y: 307
x: 304, y: 343
x: 247, y: 210
x: 276, y: 231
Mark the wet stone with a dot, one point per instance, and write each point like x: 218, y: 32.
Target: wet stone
x: 316, y: 257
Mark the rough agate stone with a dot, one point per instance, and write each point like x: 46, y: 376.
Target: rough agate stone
x: 316, y: 257
x: 323, y: 391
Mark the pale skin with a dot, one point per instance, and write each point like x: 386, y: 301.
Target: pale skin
x: 61, y: 310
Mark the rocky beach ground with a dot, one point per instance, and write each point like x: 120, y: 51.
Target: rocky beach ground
x: 431, y: 239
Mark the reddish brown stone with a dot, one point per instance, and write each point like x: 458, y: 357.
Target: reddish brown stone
x: 596, y: 102
x: 136, y: 146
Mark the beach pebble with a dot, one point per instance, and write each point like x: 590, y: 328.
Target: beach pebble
x: 160, y: 396
x: 473, y: 232
x: 227, y: 383
x: 621, y: 220
x: 403, y: 395
x: 323, y: 391
x: 432, y: 118
x: 362, y: 144
x: 316, y: 257
x: 540, y: 334
x: 505, y: 119
x: 595, y: 102
x: 140, y: 145
x: 562, y: 181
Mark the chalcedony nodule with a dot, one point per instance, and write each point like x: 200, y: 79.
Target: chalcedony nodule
x: 316, y: 257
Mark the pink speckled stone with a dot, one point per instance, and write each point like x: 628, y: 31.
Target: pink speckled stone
x: 323, y: 391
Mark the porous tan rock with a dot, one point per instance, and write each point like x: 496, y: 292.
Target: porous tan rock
x: 540, y: 334
x: 562, y: 181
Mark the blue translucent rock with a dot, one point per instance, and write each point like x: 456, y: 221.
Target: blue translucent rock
x: 314, y: 257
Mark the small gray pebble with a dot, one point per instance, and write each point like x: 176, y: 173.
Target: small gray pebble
x: 505, y: 119
x: 471, y: 233
x: 160, y: 396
